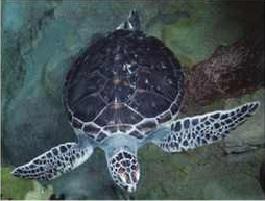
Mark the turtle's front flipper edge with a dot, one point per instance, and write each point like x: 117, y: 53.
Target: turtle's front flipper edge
x: 192, y: 132
x: 55, y: 162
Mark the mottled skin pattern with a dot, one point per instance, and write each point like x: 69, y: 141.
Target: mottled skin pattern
x: 127, y: 82
x: 124, y: 91
x: 55, y: 162
x: 189, y: 133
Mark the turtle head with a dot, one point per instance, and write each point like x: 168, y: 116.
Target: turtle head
x: 124, y: 169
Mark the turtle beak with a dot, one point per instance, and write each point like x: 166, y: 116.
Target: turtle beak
x: 132, y: 188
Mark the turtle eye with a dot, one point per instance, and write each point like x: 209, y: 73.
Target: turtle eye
x: 124, y: 178
x: 135, y: 176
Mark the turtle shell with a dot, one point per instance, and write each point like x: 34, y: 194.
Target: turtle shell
x: 125, y: 82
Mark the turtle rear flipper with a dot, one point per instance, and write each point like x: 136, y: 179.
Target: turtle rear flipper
x: 55, y: 162
x: 132, y: 23
x: 192, y: 132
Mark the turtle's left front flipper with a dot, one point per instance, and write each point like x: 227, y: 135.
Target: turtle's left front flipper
x: 55, y: 162
x: 189, y: 133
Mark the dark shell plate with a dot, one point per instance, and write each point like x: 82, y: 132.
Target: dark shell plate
x: 126, y: 82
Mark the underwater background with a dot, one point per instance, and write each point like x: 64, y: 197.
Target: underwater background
x: 223, y: 38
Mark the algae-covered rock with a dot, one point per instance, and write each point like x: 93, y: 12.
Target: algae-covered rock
x: 251, y: 135
x: 39, y: 192
x: 262, y: 175
x: 13, y: 187
x: 204, y: 174
x: 19, y: 189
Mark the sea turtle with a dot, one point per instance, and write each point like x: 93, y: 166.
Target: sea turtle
x: 123, y: 92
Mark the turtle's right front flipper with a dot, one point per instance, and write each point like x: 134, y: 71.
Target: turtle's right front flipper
x: 192, y: 132
x: 55, y: 162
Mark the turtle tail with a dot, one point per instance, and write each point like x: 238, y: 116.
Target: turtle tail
x: 132, y: 23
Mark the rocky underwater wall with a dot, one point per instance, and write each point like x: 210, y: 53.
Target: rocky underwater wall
x: 220, y: 44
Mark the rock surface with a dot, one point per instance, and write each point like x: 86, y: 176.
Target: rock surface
x: 231, y: 71
x: 251, y: 135
x: 39, y: 42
